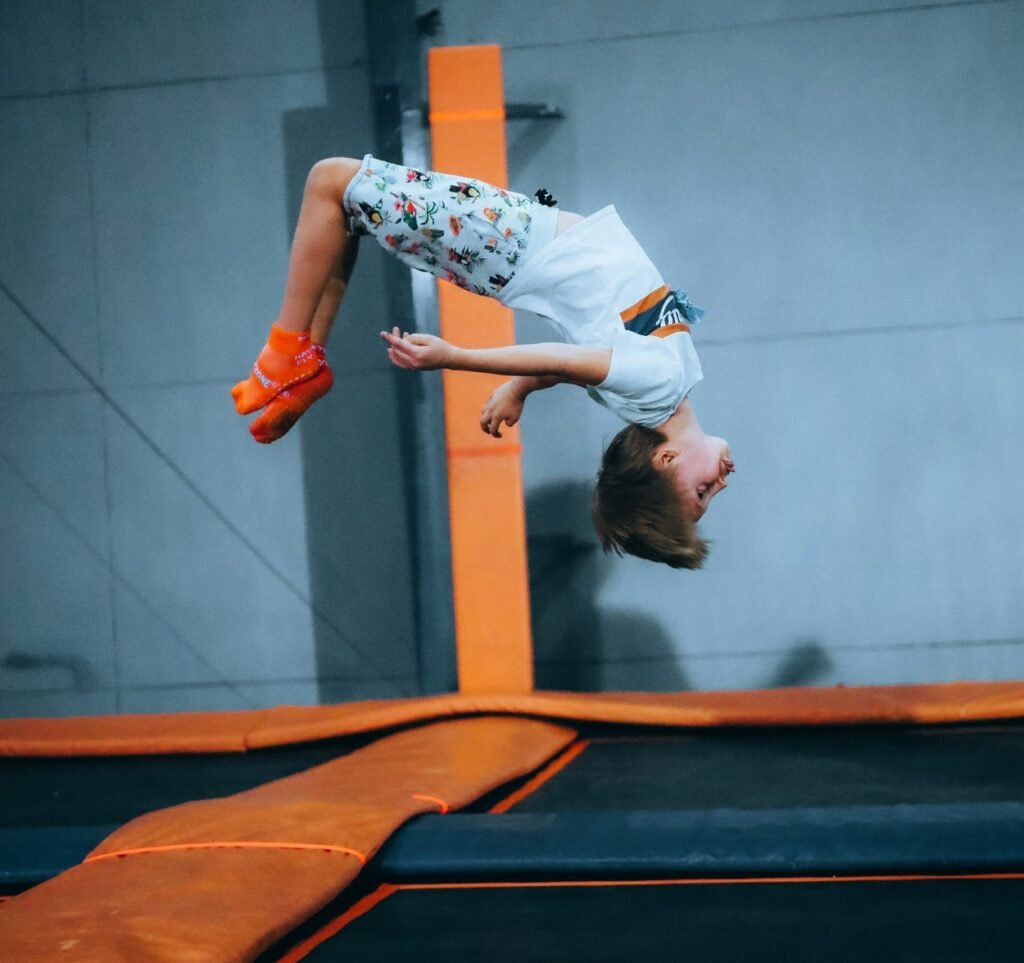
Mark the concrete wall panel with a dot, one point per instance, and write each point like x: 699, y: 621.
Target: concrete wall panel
x: 178, y: 40
x: 46, y: 245
x: 536, y: 23
x: 40, y: 47
x: 837, y: 183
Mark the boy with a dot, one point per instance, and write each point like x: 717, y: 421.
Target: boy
x: 627, y: 341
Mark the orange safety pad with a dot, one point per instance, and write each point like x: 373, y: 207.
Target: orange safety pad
x: 172, y: 886
x: 467, y: 111
x: 126, y: 735
x: 239, y: 731
x: 494, y: 646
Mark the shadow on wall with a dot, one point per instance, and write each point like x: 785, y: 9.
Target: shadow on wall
x: 359, y: 550
x: 326, y: 432
x: 73, y: 668
x: 806, y: 663
x: 577, y: 644
x: 580, y: 646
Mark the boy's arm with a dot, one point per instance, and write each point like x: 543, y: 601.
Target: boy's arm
x: 525, y: 385
x: 558, y: 361
x: 505, y: 405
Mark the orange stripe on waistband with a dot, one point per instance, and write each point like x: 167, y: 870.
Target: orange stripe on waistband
x: 670, y: 329
x: 642, y: 305
x: 444, y: 116
x: 178, y: 847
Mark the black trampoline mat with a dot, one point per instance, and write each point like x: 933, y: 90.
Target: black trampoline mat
x: 655, y: 769
x: 968, y: 920
x: 781, y: 768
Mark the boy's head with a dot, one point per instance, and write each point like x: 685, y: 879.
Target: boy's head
x: 652, y: 490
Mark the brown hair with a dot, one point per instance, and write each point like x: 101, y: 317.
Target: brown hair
x: 637, y: 509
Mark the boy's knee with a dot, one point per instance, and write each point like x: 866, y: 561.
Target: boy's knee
x: 331, y: 176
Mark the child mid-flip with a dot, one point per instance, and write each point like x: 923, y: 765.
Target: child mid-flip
x: 627, y: 341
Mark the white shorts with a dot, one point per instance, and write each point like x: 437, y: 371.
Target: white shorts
x: 460, y: 229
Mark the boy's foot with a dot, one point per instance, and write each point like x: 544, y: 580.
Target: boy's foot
x: 287, y: 407
x: 286, y: 359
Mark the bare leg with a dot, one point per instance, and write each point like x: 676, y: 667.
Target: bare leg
x: 318, y: 249
x: 334, y: 292
x: 290, y: 405
x: 287, y: 407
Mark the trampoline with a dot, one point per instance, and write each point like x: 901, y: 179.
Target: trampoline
x: 500, y: 823
x: 711, y: 837
x: 867, y: 844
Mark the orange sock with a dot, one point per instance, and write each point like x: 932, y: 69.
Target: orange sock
x: 286, y: 359
x: 289, y: 406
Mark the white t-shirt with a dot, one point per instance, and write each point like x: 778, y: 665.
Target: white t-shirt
x: 581, y: 282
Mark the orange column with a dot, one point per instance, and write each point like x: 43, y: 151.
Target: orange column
x: 488, y: 527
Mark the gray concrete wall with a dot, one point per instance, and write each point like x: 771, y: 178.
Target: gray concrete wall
x: 839, y: 184
x: 154, y: 557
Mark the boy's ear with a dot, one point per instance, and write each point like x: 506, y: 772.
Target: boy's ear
x: 664, y: 456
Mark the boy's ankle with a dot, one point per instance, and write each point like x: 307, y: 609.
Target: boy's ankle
x: 288, y: 358
x: 287, y: 342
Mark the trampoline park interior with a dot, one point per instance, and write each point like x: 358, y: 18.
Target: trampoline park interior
x: 505, y: 821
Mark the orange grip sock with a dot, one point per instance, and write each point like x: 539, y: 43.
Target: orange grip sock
x: 289, y: 406
x: 286, y: 359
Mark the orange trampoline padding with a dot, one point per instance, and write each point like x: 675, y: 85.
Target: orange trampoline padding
x: 285, y: 725
x: 494, y: 646
x: 223, y: 879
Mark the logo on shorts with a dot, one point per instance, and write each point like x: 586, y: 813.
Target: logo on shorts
x: 669, y: 314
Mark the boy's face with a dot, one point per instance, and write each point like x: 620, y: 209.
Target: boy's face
x: 701, y: 473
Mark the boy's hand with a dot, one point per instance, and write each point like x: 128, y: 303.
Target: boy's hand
x: 505, y: 406
x: 420, y: 352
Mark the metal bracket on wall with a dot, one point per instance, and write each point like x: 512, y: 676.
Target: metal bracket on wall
x: 516, y: 112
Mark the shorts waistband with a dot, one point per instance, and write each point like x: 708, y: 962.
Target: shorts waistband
x: 543, y: 224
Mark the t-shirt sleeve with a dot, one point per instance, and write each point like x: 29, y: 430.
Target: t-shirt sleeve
x: 645, y: 382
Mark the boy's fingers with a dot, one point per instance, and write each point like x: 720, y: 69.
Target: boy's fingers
x: 396, y: 342
x: 402, y: 350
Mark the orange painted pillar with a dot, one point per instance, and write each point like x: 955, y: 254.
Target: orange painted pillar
x: 488, y: 526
